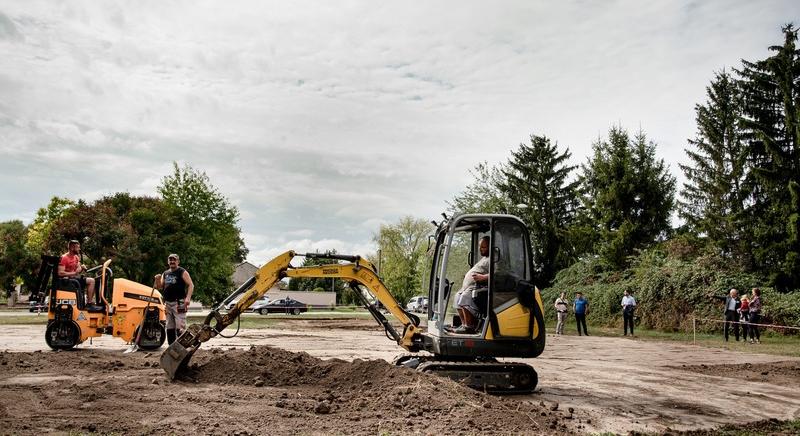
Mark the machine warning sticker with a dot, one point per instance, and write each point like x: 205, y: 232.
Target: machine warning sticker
x: 81, y: 316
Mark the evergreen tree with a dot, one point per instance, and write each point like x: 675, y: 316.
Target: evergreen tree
x: 771, y: 93
x: 715, y: 195
x: 537, y: 176
x: 628, y: 196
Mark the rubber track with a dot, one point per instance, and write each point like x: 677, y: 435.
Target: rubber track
x: 490, y: 377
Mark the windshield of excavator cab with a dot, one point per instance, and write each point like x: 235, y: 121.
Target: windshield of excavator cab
x: 510, y: 262
x: 457, y: 254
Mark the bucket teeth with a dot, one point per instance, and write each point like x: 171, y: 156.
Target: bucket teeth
x: 175, y: 359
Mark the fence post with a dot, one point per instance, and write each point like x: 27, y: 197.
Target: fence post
x: 694, y: 330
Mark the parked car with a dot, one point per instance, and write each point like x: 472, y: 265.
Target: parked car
x: 259, y: 304
x: 38, y: 306
x: 284, y: 305
x: 417, y: 304
x: 255, y: 307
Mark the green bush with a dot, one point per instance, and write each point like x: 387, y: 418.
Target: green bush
x: 672, y: 283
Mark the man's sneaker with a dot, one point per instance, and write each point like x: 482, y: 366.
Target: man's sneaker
x: 464, y: 330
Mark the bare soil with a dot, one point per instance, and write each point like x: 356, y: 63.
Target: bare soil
x: 333, y: 377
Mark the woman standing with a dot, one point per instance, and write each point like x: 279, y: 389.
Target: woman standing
x: 755, y: 316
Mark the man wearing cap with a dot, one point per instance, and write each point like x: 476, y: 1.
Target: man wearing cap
x: 176, y: 287
x: 70, y: 268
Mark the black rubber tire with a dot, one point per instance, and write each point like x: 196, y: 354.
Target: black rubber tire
x: 296, y: 311
x: 71, y: 335
x: 265, y: 311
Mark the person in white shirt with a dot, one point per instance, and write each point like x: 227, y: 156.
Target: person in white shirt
x: 562, y: 306
x: 464, y: 302
x: 628, y: 306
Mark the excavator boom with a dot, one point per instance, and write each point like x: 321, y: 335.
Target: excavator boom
x: 357, y: 272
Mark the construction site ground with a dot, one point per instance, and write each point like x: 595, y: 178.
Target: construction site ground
x: 333, y: 376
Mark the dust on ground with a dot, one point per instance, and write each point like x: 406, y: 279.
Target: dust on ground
x: 595, y: 384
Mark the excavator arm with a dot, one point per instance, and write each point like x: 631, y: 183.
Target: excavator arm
x: 357, y: 272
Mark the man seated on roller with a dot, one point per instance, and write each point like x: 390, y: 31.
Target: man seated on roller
x: 465, y: 304
x: 70, y: 268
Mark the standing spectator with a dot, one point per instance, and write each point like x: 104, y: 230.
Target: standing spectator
x: 562, y: 306
x: 744, y: 314
x: 581, y: 308
x: 755, y: 316
x: 177, y: 288
x: 731, y: 312
x: 628, y: 306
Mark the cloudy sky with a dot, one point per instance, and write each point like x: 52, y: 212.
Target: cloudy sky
x: 321, y: 120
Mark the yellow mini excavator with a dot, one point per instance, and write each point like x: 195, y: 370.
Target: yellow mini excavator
x: 509, y: 314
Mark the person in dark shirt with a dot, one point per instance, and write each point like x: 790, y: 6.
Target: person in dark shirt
x: 176, y: 287
x: 581, y: 307
x: 731, y: 312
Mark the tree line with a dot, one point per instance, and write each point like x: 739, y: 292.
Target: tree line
x: 741, y: 199
x: 189, y: 217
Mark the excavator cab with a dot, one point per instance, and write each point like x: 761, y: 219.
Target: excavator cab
x: 506, y: 303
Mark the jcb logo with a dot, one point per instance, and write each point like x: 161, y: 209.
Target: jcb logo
x: 72, y: 302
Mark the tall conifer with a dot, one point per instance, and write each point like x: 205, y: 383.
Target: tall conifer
x: 771, y: 92
x: 538, y: 176
x: 714, y: 195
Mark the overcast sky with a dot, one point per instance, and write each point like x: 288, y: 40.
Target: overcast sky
x: 320, y: 120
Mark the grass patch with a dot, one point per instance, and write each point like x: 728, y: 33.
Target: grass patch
x: 771, y: 342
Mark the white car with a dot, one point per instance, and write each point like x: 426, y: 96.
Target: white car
x: 417, y: 304
x: 257, y: 306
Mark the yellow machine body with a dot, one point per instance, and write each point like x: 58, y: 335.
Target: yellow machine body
x: 72, y: 322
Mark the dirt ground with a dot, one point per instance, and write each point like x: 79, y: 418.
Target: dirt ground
x: 332, y: 376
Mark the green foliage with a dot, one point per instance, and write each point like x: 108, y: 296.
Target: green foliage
x: 771, y: 125
x: 715, y: 194
x: 39, y: 229
x: 672, y: 282
x: 322, y: 284
x: 133, y: 231
x: 485, y: 194
x: 628, y: 196
x: 16, y: 261
x: 538, y: 177
x: 210, y: 243
x: 402, y: 249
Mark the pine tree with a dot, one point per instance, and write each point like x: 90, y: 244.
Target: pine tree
x: 537, y: 176
x: 771, y: 92
x: 714, y: 196
x: 628, y: 195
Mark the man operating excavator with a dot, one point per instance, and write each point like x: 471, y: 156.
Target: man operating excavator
x: 464, y: 301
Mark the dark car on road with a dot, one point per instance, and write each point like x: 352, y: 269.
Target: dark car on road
x: 284, y: 305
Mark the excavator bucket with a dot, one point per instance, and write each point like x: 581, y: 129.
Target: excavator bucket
x: 175, y: 359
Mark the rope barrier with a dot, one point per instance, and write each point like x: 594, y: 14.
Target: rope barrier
x: 745, y: 323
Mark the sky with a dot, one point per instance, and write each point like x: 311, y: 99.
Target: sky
x: 322, y: 120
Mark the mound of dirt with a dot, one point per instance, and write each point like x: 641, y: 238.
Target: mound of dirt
x: 252, y: 391
x: 785, y: 373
